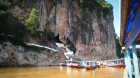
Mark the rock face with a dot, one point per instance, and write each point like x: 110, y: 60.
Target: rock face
x: 89, y: 29
x: 12, y: 55
x: 91, y: 32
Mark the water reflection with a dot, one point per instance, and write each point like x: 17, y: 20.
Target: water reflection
x: 59, y: 72
x: 83, y: 71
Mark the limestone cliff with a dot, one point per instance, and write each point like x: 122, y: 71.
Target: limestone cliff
x: 87, y: 25
x: 90, y: 30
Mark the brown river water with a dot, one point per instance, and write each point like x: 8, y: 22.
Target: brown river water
x: 60, y: 72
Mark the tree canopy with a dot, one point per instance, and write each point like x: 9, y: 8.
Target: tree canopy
x: 118, y: 47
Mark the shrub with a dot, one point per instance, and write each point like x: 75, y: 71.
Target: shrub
x: 32, y: 23
x: 98, y: 5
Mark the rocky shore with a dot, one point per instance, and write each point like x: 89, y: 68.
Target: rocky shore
x: 13, y: 55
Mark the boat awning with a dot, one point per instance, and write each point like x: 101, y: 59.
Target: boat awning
x: 130, y: 22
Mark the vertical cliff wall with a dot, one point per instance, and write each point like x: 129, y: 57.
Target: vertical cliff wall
x: 87, y: 24
x: 90, y: 30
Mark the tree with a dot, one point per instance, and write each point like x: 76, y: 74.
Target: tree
x: 118, y: 47
x: 32, y: 23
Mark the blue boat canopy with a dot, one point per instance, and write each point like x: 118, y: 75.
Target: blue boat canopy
x: 132, y: 28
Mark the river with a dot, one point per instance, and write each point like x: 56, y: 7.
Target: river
x: 60, y: 72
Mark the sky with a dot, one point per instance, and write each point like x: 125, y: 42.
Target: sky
x: 116, y: 13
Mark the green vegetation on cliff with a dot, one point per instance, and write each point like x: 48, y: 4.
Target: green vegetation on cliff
x: 10, y: 28
x: 118, y: 47
x: 32, y: 22
x: 94, y: 5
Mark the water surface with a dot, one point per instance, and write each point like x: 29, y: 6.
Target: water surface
x: 60, y: 72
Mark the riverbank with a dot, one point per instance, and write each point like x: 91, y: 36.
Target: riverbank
x: 18, y: 56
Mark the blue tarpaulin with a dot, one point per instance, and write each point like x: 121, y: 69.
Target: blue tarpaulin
x: 129, y: 26
x: 125, y: 40
x: 131, y: 16
x: 135, y: 30
x: 130, y: 21
x: 133, y: 4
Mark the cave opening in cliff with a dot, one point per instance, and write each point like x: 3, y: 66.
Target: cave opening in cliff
x: 56, y: 39
x: 68, y: 43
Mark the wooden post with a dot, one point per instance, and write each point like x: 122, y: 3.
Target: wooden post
x: 135, y: 61
x: 129, y: 63
x: 126, y: 64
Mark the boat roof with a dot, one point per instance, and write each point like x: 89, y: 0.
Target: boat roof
x: 90, y: 61
x: 130, y: 25
x: 115, y: 60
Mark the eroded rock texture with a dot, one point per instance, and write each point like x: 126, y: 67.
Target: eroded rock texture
x: 90, y: 31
